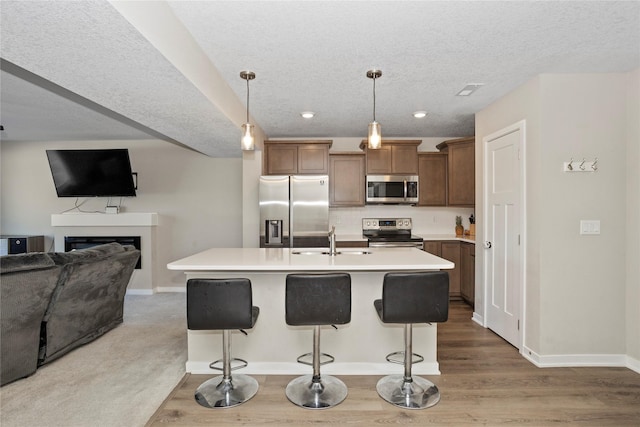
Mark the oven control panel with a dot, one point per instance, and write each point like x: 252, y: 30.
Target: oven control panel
x: 386, y: 223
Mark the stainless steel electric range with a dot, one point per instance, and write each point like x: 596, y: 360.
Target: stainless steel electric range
x: 390, y: 233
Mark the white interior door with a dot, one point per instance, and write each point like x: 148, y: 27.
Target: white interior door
x: 503, y: 260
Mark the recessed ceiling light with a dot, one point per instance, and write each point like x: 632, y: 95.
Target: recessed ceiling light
x: 469, y: 89
x: 420, y: 114
x: 307, y: 114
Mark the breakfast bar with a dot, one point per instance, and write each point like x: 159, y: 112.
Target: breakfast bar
x: 272, y: 346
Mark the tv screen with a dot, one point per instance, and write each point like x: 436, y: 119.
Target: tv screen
x: 92, y: 173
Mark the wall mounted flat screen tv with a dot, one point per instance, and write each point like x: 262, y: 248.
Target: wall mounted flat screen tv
x: 92, y: 173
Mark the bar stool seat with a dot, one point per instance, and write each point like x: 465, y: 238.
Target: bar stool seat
x: 317, y: 300
x: 408, y: 298
x: 223, y: 304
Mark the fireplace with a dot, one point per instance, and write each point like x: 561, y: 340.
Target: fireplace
x: 81, y: 242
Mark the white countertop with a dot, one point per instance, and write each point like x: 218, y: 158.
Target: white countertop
x: 276, y: 259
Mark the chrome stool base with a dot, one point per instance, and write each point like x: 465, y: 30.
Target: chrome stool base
x: 322, y: 393
x: 219, y: 392
x: 416, y: 394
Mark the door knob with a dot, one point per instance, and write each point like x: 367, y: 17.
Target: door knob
x: 487, y: 245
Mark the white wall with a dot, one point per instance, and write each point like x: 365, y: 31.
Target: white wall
x: 633, y: 218
x: 585, y: 273
x: 198, y: 198
x: 576, y: 285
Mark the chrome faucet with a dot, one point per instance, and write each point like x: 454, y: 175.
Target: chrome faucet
x: 332, y: 241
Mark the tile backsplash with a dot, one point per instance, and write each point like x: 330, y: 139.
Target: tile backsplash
x: 426, y: 220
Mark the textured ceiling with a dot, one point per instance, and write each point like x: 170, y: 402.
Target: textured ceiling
x: 307, y: 55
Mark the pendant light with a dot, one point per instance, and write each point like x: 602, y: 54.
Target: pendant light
x: 248, y: 141
x: 374, y: 136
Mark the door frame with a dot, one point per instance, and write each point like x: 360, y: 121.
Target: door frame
x: 518, y: 126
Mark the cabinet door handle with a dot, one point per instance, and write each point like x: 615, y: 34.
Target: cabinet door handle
x: 487, y: 245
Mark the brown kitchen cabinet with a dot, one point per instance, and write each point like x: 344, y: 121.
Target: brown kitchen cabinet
x: 432, y: 179
x: 433, y: 247
x: 296, y: 157
x: 467, y: 272
x: 352, y: 244
x: 460, y: 170
x: 346, y: 179
x: 462, y: 277
x: 451, y: 252
x: 394, y: 157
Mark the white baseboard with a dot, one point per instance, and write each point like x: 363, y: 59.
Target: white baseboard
x: 581, y: 360
x: 172, y: 289
x: 159, y: 290
x: 291, y: 368
x: 140, y: 292
x: 633, y: 364
x: 478, y: 319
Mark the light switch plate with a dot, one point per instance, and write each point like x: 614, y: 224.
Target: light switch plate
x: 590, y: 226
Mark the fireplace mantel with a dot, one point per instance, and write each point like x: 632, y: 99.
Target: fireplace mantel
x: 132, y: 219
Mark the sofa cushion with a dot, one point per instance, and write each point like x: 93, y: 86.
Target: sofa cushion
x: 61, y: 258
x: 24, y: 262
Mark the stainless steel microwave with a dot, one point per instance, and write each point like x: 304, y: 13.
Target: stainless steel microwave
x: 392, y: 189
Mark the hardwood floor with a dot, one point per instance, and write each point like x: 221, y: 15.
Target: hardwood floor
x: 484, y: 381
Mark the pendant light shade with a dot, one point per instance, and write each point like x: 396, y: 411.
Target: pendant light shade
x: 374, y: 136
x: 248, y: 140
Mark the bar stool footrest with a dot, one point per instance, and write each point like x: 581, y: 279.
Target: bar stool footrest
x: 304, y: 359
x: 240, y: 363
x: 398, y: 357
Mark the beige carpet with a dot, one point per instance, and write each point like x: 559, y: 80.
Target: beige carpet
x: 118, y: 380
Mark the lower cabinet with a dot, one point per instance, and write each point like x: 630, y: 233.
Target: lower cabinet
x: 462, y: 277
x: 451, y: 252
x: 468, y: 272
x: 352, y: 244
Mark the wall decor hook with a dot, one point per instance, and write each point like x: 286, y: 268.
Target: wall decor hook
x: 581, y: 166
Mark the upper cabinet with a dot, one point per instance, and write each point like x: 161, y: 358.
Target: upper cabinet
x: 432, y: 179
x: 461, y: 170
x: 395, y: 157
x: 346, y: 179
x: 296, y: 157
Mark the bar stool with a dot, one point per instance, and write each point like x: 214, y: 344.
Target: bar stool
x: 222, y: 304
x: 415, y: 297
x: 316, y: 300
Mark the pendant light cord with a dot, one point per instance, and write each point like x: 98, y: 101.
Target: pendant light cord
x: 248, y: 100
x: 374, y: 98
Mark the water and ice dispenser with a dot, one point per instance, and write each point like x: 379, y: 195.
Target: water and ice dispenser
x: 273, y: 235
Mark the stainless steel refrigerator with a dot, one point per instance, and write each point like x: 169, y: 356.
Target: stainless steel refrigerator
x: 294, y: 211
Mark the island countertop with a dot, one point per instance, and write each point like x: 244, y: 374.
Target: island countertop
x: 278, y: 259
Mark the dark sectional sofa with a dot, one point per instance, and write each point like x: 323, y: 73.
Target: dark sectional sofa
x: 51, y: 303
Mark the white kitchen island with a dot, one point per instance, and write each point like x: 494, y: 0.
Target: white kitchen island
x: 272, y: 346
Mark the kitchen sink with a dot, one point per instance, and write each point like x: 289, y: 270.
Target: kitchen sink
x: 329, y: 253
